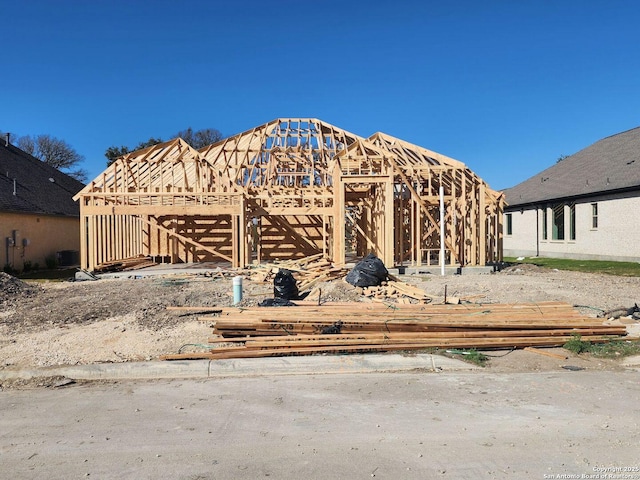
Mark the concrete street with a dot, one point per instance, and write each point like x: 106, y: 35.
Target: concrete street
x: 411, y: 425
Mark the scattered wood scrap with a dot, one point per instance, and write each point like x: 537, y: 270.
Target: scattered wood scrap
x: 398, y: 291
x: 308, y: 271
x: 376, y: 327
x: 311, y: 271
x: 194, y: 310
x: 546, y: 354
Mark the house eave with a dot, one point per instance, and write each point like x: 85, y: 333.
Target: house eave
x: 570, y: 198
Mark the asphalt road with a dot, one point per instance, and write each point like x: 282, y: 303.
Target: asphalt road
x: 470, y: 425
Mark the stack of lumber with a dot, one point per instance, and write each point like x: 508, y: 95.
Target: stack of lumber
x: 308, y: 271
x: 376, y: 327
x: 125, y: 264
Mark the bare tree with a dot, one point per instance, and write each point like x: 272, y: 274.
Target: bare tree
x: 200, y: 138
x: 113, y: 152
x: 55, y: 152
x: 196, y: 139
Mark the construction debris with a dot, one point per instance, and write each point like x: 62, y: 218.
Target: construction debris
x: 368, y: 272
x: 308, y: 272
x: 377, y: 327
x: 284, y: 285
x: 396, y: 290
x: 632, y: 312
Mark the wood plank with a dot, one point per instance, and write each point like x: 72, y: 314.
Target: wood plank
x: 547, y: 354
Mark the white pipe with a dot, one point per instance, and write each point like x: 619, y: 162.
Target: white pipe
x: 441, y: 230
x: 237, y: 289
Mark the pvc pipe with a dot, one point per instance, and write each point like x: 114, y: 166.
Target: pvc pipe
x: 441, y: 230
x: 237, y: 289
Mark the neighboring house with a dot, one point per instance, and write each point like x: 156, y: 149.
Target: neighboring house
x: 586, y: 206
x: 39, y: 219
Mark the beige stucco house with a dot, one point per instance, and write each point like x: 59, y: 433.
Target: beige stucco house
x: 586, y: 206
x: 39, y: 219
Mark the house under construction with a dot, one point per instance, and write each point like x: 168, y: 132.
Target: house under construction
x: 290, y: 188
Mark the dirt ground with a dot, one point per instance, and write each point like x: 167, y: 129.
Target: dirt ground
x: 121, y: 320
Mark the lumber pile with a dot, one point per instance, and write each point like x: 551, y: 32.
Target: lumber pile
x: 125, y: 264
x: 376, y: 327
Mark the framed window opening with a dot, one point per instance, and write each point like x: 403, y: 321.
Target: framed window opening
x: 594, y: 216
x: 545, y: 232
x: 509, y: 221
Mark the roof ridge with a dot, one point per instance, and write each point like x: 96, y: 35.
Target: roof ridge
x: 607, y: 165
x: 619, y: 133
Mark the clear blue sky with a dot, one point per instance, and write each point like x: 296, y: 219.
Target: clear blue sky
x: 505, y: 86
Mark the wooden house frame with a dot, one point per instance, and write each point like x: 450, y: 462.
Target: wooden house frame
x: 289, y: 188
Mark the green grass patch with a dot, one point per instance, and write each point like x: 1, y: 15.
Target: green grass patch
x: 615, y: 348
x: 626, y: 269
x: 577, y: 345
x: 471, y: 356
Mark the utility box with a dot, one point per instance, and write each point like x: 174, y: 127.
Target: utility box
x: 68, y: 258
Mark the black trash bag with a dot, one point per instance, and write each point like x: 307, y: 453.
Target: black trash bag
x: 368, y: 272
x: 276, y: 302
x: 284, y: 285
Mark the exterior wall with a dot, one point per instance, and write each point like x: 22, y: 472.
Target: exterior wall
x: 37, y: 237
x: 613, y: 239
x: 522, y: 241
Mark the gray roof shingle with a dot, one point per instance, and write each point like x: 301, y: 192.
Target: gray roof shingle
x: 609, y: 165
x: 39, y: 188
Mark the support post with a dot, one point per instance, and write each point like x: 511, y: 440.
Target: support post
x: 242, y: 232
x: 338, y: 216
x: 482, y: 216
x: 442, y: 225
x: 389, y: 221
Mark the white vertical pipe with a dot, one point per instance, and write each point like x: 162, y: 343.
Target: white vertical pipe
x: 237, y: 289
x: 441, y: 230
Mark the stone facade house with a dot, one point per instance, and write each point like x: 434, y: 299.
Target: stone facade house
x: 586, y: 206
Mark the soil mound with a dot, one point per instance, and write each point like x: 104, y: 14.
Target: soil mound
x: 12, y: 288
